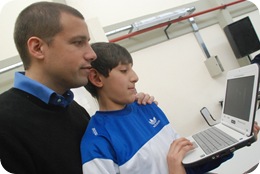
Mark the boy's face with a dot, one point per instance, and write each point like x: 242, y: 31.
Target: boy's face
x: 119, y: 87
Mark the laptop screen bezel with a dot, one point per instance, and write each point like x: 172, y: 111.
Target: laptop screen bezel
x: 243, y: 126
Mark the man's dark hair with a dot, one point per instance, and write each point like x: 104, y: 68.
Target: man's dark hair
x: 41, y: 19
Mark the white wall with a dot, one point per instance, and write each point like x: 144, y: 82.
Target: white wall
x: 110, y: 12
x: 115, y: 11
x: 8, y: 15
x: 174, y: 72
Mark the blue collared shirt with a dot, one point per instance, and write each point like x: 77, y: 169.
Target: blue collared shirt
x: 42, y: 92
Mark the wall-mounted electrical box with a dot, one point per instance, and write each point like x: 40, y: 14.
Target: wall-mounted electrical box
x: 214, y: 66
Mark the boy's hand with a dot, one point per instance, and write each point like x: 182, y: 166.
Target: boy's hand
x: 177, y: 151
x: 256, y: 130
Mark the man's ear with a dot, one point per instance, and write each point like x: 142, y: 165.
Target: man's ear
x: 35, y: 47
x: 94, y: 78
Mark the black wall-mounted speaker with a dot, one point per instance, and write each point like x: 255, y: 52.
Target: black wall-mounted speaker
x: 242, y: 37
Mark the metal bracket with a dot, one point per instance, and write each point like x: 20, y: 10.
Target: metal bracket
x: 212, y: 63
x: 165, y: 30
x: 198, y: 37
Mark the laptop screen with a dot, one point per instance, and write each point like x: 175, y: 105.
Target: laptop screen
x: 238, y: 97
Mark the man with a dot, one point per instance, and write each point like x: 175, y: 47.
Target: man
x: 40, y: 124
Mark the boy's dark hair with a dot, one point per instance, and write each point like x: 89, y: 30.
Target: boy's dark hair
x: 109, y: 56
x: 40, y: 19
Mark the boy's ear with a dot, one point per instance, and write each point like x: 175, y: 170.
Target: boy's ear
x: 94, y: 78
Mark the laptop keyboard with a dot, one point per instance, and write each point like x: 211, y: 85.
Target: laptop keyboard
x: 213, y: 139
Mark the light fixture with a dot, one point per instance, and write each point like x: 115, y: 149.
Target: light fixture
x: 165, y: 17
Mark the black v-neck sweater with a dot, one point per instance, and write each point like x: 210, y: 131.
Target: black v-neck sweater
x: 36, y: 138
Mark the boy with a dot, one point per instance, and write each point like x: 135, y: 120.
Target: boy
x: 124, y: 137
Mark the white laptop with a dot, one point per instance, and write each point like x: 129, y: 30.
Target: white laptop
x: 237, y: 119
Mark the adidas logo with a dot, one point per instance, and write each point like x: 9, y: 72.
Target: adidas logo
x: 154, y: 122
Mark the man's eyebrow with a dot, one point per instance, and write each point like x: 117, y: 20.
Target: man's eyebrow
x: 80, y: 37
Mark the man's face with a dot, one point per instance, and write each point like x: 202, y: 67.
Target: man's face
x: 69, y: 55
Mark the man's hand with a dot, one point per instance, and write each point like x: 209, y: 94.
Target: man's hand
x: 144, y: 99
